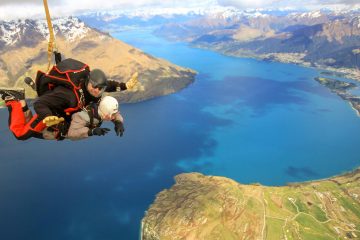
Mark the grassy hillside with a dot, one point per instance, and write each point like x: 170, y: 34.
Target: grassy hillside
x: 207, y: 207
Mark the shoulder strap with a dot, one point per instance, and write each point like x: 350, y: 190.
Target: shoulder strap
x: 93, y: 114
x: 90, y: 111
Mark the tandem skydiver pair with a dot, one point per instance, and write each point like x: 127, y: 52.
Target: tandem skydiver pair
x: 69, y: 103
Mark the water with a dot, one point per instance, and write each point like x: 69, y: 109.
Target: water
x: 249, y: 120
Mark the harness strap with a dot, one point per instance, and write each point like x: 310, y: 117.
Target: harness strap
x: 92, y: 111
x: 91, y: 116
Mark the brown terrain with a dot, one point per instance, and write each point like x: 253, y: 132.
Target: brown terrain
x: 117, y: 59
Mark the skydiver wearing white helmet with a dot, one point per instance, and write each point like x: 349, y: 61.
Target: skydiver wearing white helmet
x: 87, y: 123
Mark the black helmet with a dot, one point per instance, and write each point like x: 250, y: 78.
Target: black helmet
x: 97, y: 78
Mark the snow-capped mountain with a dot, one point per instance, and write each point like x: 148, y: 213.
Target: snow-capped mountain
x: 211, y: 11
x: 278, y: 30
x: 192, y: 22
x: 148, y: 13
x: 159, y: 16
x: 319, y: 38
x: 29, y: 32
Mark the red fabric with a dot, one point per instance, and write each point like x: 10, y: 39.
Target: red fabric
x: 17, y: 123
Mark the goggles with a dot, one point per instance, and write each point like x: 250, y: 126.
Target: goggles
x: 97, y: 85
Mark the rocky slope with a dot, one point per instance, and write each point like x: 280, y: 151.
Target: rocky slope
x: 207, y: 207
x: 23, y: 51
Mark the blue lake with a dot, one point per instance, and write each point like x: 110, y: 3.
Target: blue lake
x: 245, y: 119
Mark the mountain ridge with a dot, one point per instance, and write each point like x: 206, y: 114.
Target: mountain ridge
x: 326, y: 39
x: 24, y: 51
x: 318, y: 39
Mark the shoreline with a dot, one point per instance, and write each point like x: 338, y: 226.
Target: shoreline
x: 201, y: 206
x: 343, y: 174
x: 340, y: 88
x: 296, y: 59
x: 347, y: 173
x: 287, y: 58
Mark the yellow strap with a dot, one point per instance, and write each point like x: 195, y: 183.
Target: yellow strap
x: 52, y: 43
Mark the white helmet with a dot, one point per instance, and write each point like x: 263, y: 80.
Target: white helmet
x: 108, y: 106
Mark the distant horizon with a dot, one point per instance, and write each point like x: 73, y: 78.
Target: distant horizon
x: 19, y: 9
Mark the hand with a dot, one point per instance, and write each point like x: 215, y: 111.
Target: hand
x: 57, y: 57
x: 63, y: 128
x: 99, y: 131
x: 30, y: 83
x: 119, y: 128
x: 52, y: 120
x: 133, y: 81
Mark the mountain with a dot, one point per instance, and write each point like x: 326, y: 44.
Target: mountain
x: 150, y: 17
x: 242, y: 27
x: 143, y: 17
x: 321, y: 38
x: 209, y: 207
x: 24, y: 51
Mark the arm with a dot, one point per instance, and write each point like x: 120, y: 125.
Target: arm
x: 113, y: 86
x: 119, y: 125
x: 118, y: 117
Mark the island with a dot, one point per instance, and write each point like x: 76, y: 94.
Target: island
x: 209, y: 207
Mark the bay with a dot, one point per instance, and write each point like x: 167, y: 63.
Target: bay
x: 249, y: 120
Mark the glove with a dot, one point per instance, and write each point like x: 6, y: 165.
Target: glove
x: 98, y: 131
x: 119, y: 128
x: 52, y: 120
x: 63, y: 128
x: 57, y: 57
x: 30, y: 83
x: 132, y: 82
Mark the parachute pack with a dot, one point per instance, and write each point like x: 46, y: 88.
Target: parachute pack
x: 69, y: 73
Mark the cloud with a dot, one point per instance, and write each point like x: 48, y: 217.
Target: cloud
x: 332, y: 2
x: 248, y: 3
x: 29, y: 2
x: 7, y: 2
x: 346, y: 2
x: 94, y: 4
x: 12, y: 9
x: 242, y: 4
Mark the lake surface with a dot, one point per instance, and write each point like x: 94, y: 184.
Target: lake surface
x: 245, y: 119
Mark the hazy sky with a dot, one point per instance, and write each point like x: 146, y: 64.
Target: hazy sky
x: 20, y: 8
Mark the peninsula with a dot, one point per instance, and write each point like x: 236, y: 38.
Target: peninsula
x: 341, y: 89
x: 208, y: 207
